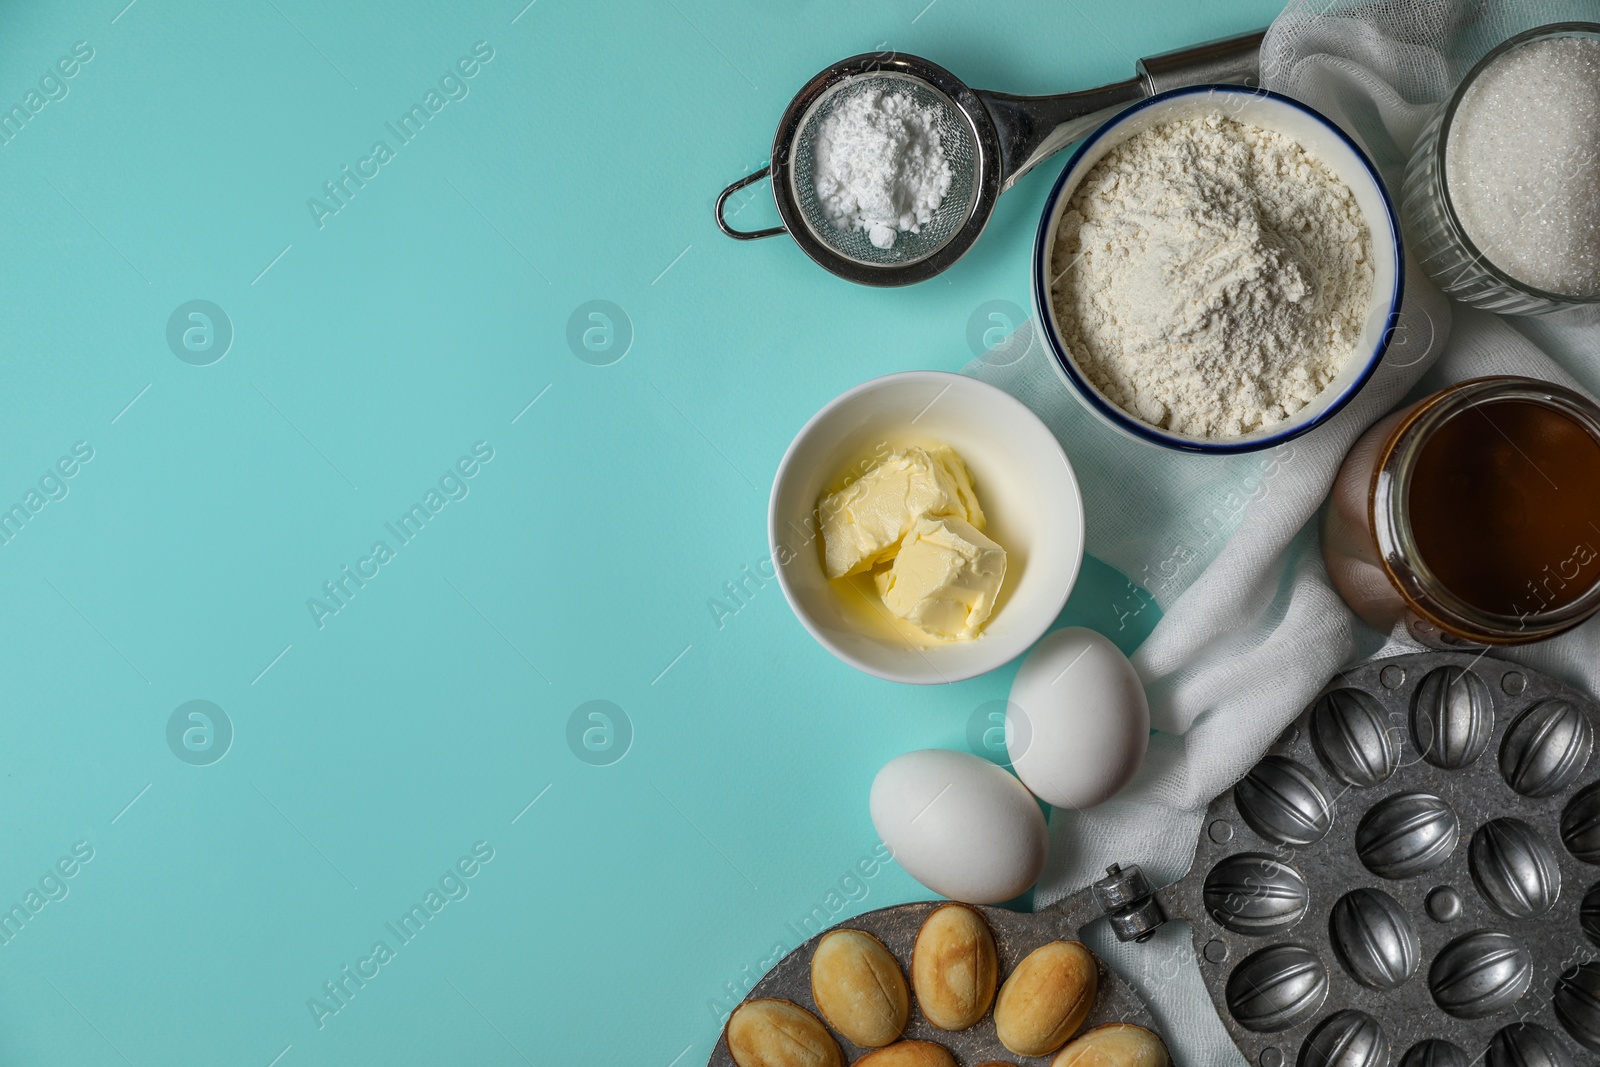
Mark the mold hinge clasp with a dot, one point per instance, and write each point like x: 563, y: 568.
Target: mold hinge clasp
x: 1125, y: 896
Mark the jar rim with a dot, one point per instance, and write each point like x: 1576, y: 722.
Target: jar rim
x: 1388, y: 509
x: 1442, y: 142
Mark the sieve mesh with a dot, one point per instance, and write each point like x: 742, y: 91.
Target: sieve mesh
x: 955, y: 140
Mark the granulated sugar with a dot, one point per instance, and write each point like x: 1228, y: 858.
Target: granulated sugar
x: 880, y: 166
x: 1521, y: 164
x: 1211, y: 277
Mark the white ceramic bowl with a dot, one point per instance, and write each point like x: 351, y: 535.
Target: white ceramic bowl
x: 1329, y: 144
x: 1024, y: 481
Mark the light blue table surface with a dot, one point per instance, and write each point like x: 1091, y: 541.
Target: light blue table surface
x: 373, y: 347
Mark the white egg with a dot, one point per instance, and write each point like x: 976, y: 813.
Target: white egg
x: 960, y: 825
x: 1077, y: 723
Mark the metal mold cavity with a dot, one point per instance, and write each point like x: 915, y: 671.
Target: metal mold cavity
x: 1452, y: 717
x: 1374, y: 939
x: 1589, y: 914
x: 1577, y: 1004
x: 1282, y: 802
x: 1253, y: 893
x: 1348, y: 1038
x: 1526, y: 1045
x: 1515, y: 870
x: 1546, y: 748
x: 1407, y: 834
x: 1352, y: 738
x: 1277, y: 988
x: 1480, y: 974
x: 1580, y: 825
x: 1435, y: 1053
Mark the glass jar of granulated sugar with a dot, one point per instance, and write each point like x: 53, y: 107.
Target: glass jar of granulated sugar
x: 1472, y: 517
x: 1502, y: 194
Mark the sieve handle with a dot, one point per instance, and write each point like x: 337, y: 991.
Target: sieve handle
x: 1032, y: 128
x: 744, y: 235
x: 1233, y: 60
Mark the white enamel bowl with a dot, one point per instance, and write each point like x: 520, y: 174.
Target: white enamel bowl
x: 1329, y: 144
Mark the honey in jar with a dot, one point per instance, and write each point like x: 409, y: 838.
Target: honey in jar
x: 1472, y: 517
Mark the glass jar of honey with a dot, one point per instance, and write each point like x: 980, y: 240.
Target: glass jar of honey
x: 1472, y: 517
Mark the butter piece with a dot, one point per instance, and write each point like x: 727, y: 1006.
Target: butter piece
x: 864, y: 522
x: 945, y: 578
x: 956, y: 468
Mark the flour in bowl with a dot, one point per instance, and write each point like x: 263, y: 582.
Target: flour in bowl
x: 1211, y: 277
x: 880, y: 166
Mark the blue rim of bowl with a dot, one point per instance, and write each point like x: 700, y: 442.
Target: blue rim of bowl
x: 1143, y: 430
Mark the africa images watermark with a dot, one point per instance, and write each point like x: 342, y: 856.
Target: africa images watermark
x: 338, y: 592
x: 739, y: 591
x: 52, y: 87
x: 52, y: 486
x: 453, y: 886
x: 1547, y: 586
x: 850, y: 888
x: 453, y: 85
x: 52, y: 887
x: 1188, y: 550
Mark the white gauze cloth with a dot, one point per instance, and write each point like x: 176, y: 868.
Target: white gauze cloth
x: 1228, y: 547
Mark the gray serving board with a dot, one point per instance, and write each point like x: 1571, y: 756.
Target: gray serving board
x: 1015, y: 934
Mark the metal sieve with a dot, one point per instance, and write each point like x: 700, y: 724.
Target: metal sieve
x: 989, y: 139
x: 956, y: 139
